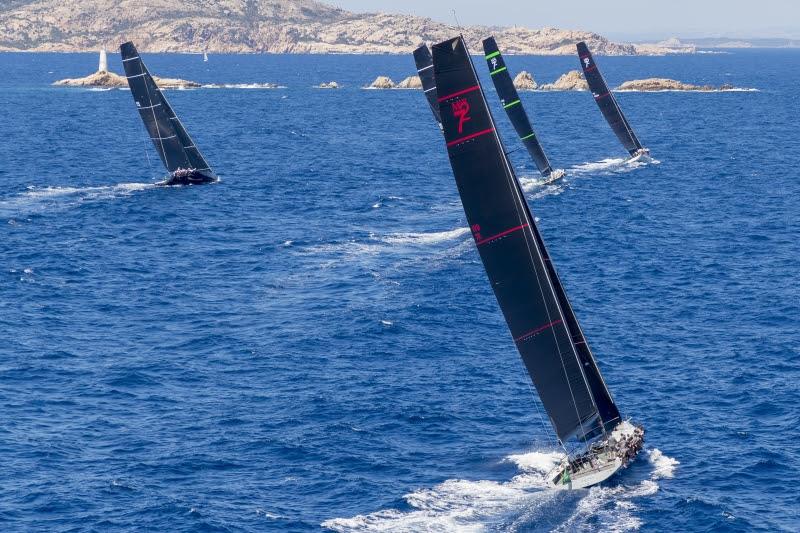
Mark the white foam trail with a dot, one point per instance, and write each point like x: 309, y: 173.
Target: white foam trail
x: 41, y: 198
x: 243, y: 86
x: 460, y: 505
x: 425, y: 238
x: 611, y: 166
x: 535, y: 461
x: 663, y: 466
x: 730, y: 90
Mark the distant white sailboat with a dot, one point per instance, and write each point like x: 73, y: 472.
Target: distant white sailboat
x: 205, y: 57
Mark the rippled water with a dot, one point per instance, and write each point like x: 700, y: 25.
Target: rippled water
x: 313, y: 343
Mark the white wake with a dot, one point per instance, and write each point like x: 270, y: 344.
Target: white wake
x: 434, y: 237
x: 43, y: 198
x: 615, y: 165
x: 242, y: 86
x: 474, y: 506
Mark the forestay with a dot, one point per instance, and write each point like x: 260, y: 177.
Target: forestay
x: 607, y: 102
x: 526, y: 285
x: 509, y: 98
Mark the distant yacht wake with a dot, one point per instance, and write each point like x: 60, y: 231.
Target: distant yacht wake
x: 39, y: 199
x: 615, y: 165
x: 516, y: 505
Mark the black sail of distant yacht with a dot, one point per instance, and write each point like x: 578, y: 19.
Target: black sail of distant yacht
x: 607, y: 102
x: 172, y: 142
x: 424, y: 61
x: 511, y: 102
x: 527, y: 287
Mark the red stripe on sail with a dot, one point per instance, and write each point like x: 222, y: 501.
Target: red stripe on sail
x: 538, y: 330
x: 502, y: 234
x: 459, y: 93
x: 468, y: 137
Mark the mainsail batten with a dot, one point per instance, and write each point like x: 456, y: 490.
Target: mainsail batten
x: 175, y: 147
x: 424, y: 62
x: 512, y: 253
x: 509, y: 98
x: 607, y: 102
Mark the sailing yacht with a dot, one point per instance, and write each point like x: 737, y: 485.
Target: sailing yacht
x: 509, y: 98
x: 608, y: 105
x: 539, y: 315
x: 178, y: 153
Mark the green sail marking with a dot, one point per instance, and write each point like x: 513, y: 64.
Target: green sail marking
x: 493, y: 54
x: 498, y: 71
x: 528, y: 137
x: 512, y: 104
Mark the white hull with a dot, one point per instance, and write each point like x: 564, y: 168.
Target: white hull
x: 641, y: 156
x: 554, y: 176
x: 606, y: 459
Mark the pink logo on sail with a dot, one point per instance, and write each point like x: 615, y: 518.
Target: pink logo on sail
x: 461, y: 112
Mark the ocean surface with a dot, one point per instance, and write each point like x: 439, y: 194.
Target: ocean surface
x: 311, y: 344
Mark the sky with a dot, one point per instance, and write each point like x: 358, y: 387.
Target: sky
x: 628, y: 19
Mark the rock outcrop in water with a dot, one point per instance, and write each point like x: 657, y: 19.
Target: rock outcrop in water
x: 411, y: 82
x: 524, y: 82
x: 381, y: 82
x: 665, y: 84
x: 571, y: 81
x: 109, y: 80
x: 112, y: 80
x: 328, y: 85
x: 247, y: 26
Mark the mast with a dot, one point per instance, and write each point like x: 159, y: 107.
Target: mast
x: 513, y: 253
x: 509, y: 98
x: 171, y: 140
x: 424, y: 61
x: 607, y: 102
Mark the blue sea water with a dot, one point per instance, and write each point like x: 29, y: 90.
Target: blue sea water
x: 312, y: 342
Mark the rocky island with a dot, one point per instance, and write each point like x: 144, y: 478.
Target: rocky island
x: 571, y: 81
x: 665, y: 84
x: 110, y: 80
x: 260, y: 26
x: 524, y: 82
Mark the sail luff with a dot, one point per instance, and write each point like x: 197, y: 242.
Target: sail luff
x: 606, y: 101
x: 503, y: 231
x: 509, y: 98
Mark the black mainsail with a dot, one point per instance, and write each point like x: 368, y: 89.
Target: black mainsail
x: 175, y: 147
x: 509, y: 98
x: 424, y: 61
x: 607, y: 102
x: 527, y: 287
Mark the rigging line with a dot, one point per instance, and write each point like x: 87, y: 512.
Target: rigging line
x: 458, y: 25
x: 631, y: 136
x: 186, y: 133
x: 149, y: 164
x: 515, y: 189
x: 152, y: 109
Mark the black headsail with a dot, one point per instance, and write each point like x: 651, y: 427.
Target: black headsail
x: 607, y: 102
x: 513, y: 105
x: 424, y: 61
x: 173, y: 144
x: 524, y: 281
